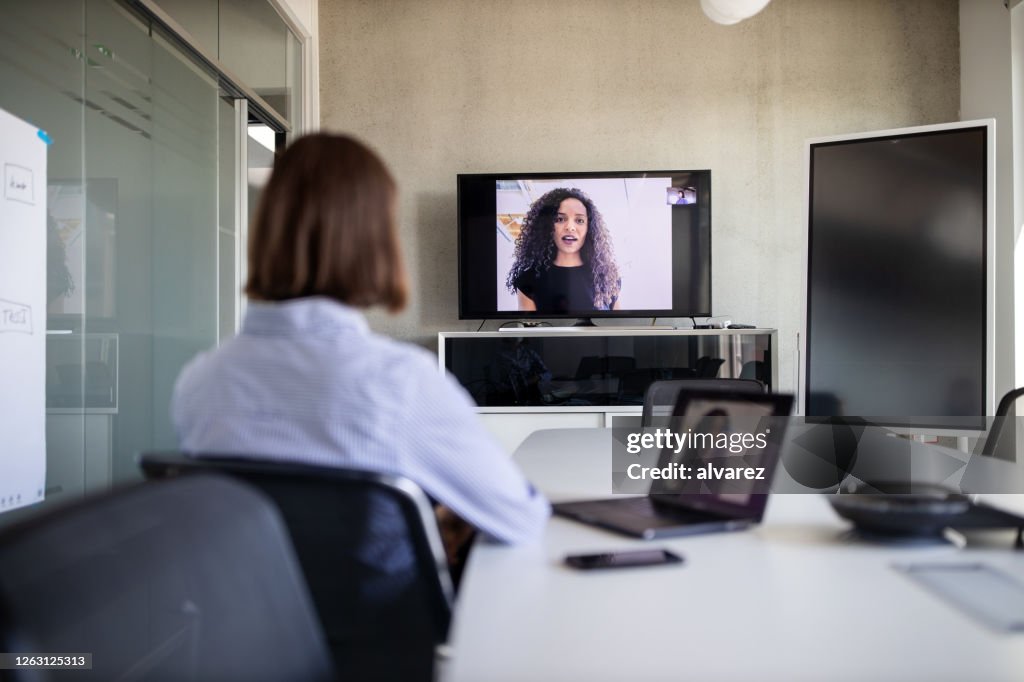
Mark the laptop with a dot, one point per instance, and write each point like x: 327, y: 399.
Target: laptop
x: 675, y: 507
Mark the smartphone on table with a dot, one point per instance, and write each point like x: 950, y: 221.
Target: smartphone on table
x: 626, y: 559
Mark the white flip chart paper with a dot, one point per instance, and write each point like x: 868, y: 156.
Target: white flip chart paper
x: 22, y: 313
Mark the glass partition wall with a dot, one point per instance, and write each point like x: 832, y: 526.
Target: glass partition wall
x: 146, y: 201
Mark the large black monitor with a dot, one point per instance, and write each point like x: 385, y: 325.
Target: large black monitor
x: 584, y: 245
x: 899, y: 280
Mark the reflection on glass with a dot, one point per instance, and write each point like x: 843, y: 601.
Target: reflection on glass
x: 42, y: 77
x: 252, y: 41
x: 596, y: 370
x: 198, y: 18
x: 254, y: 44
x: 81, y: 372
x: 135, y: 246
x: 70, y: 208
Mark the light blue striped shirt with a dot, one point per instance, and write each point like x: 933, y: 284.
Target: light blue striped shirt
x: 307, y: 381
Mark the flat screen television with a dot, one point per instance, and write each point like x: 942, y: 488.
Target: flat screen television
x: 584, y: 245
x: 899, y: 320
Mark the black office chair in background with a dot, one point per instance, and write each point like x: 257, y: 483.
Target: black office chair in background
x: 189, y: 580
x: 661, y: 396
x: 1001, y: 440
x: 371, y: 553
x: 755, y: 369
x: 707, y: 367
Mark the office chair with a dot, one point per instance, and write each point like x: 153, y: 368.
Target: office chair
x: 707, y: 367
x: 755, y: 369
x: 371, y: 553
x: 661, y: 396
x: 995, y: 444
x: 188, y: 580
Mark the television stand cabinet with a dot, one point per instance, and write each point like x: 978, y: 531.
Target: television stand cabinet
x: 526, y: 380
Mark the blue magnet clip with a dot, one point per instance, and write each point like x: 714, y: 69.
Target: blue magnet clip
x: 44, y: 137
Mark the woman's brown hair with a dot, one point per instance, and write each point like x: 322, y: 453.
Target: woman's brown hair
x: 325, y: 226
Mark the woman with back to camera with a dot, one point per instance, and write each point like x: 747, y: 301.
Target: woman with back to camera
x: 564, y: 262
x: 305, y: 379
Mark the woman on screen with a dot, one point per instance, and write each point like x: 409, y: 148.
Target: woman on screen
x: 306, y: 380
x: 564, y: 261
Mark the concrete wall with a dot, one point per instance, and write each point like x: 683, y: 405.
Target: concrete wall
x: 443, y: 87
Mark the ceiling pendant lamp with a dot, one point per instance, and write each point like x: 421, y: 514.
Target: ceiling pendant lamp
x: 731, y: 11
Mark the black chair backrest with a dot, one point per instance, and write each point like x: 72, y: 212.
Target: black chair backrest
x: 661, y: 396
x: 707, y: 367
x: 371, y: 553
x: 1001, y: 439
x: 182, y: 580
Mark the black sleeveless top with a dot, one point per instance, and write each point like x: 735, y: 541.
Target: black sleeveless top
x: 559, y: 289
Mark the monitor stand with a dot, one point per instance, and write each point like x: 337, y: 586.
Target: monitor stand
x: 584, y: 322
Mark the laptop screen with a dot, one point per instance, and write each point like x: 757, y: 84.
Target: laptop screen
x: 730, y: 444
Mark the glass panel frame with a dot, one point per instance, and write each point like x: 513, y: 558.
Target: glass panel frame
x: 42, y: 68
x: 148, y: 173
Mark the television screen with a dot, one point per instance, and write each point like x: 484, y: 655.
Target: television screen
x: 897, y: 278
x: 554, y: 245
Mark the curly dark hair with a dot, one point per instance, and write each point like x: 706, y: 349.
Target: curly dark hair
x: 535, y: 248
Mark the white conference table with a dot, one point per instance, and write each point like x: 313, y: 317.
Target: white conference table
x: 796, y: 598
